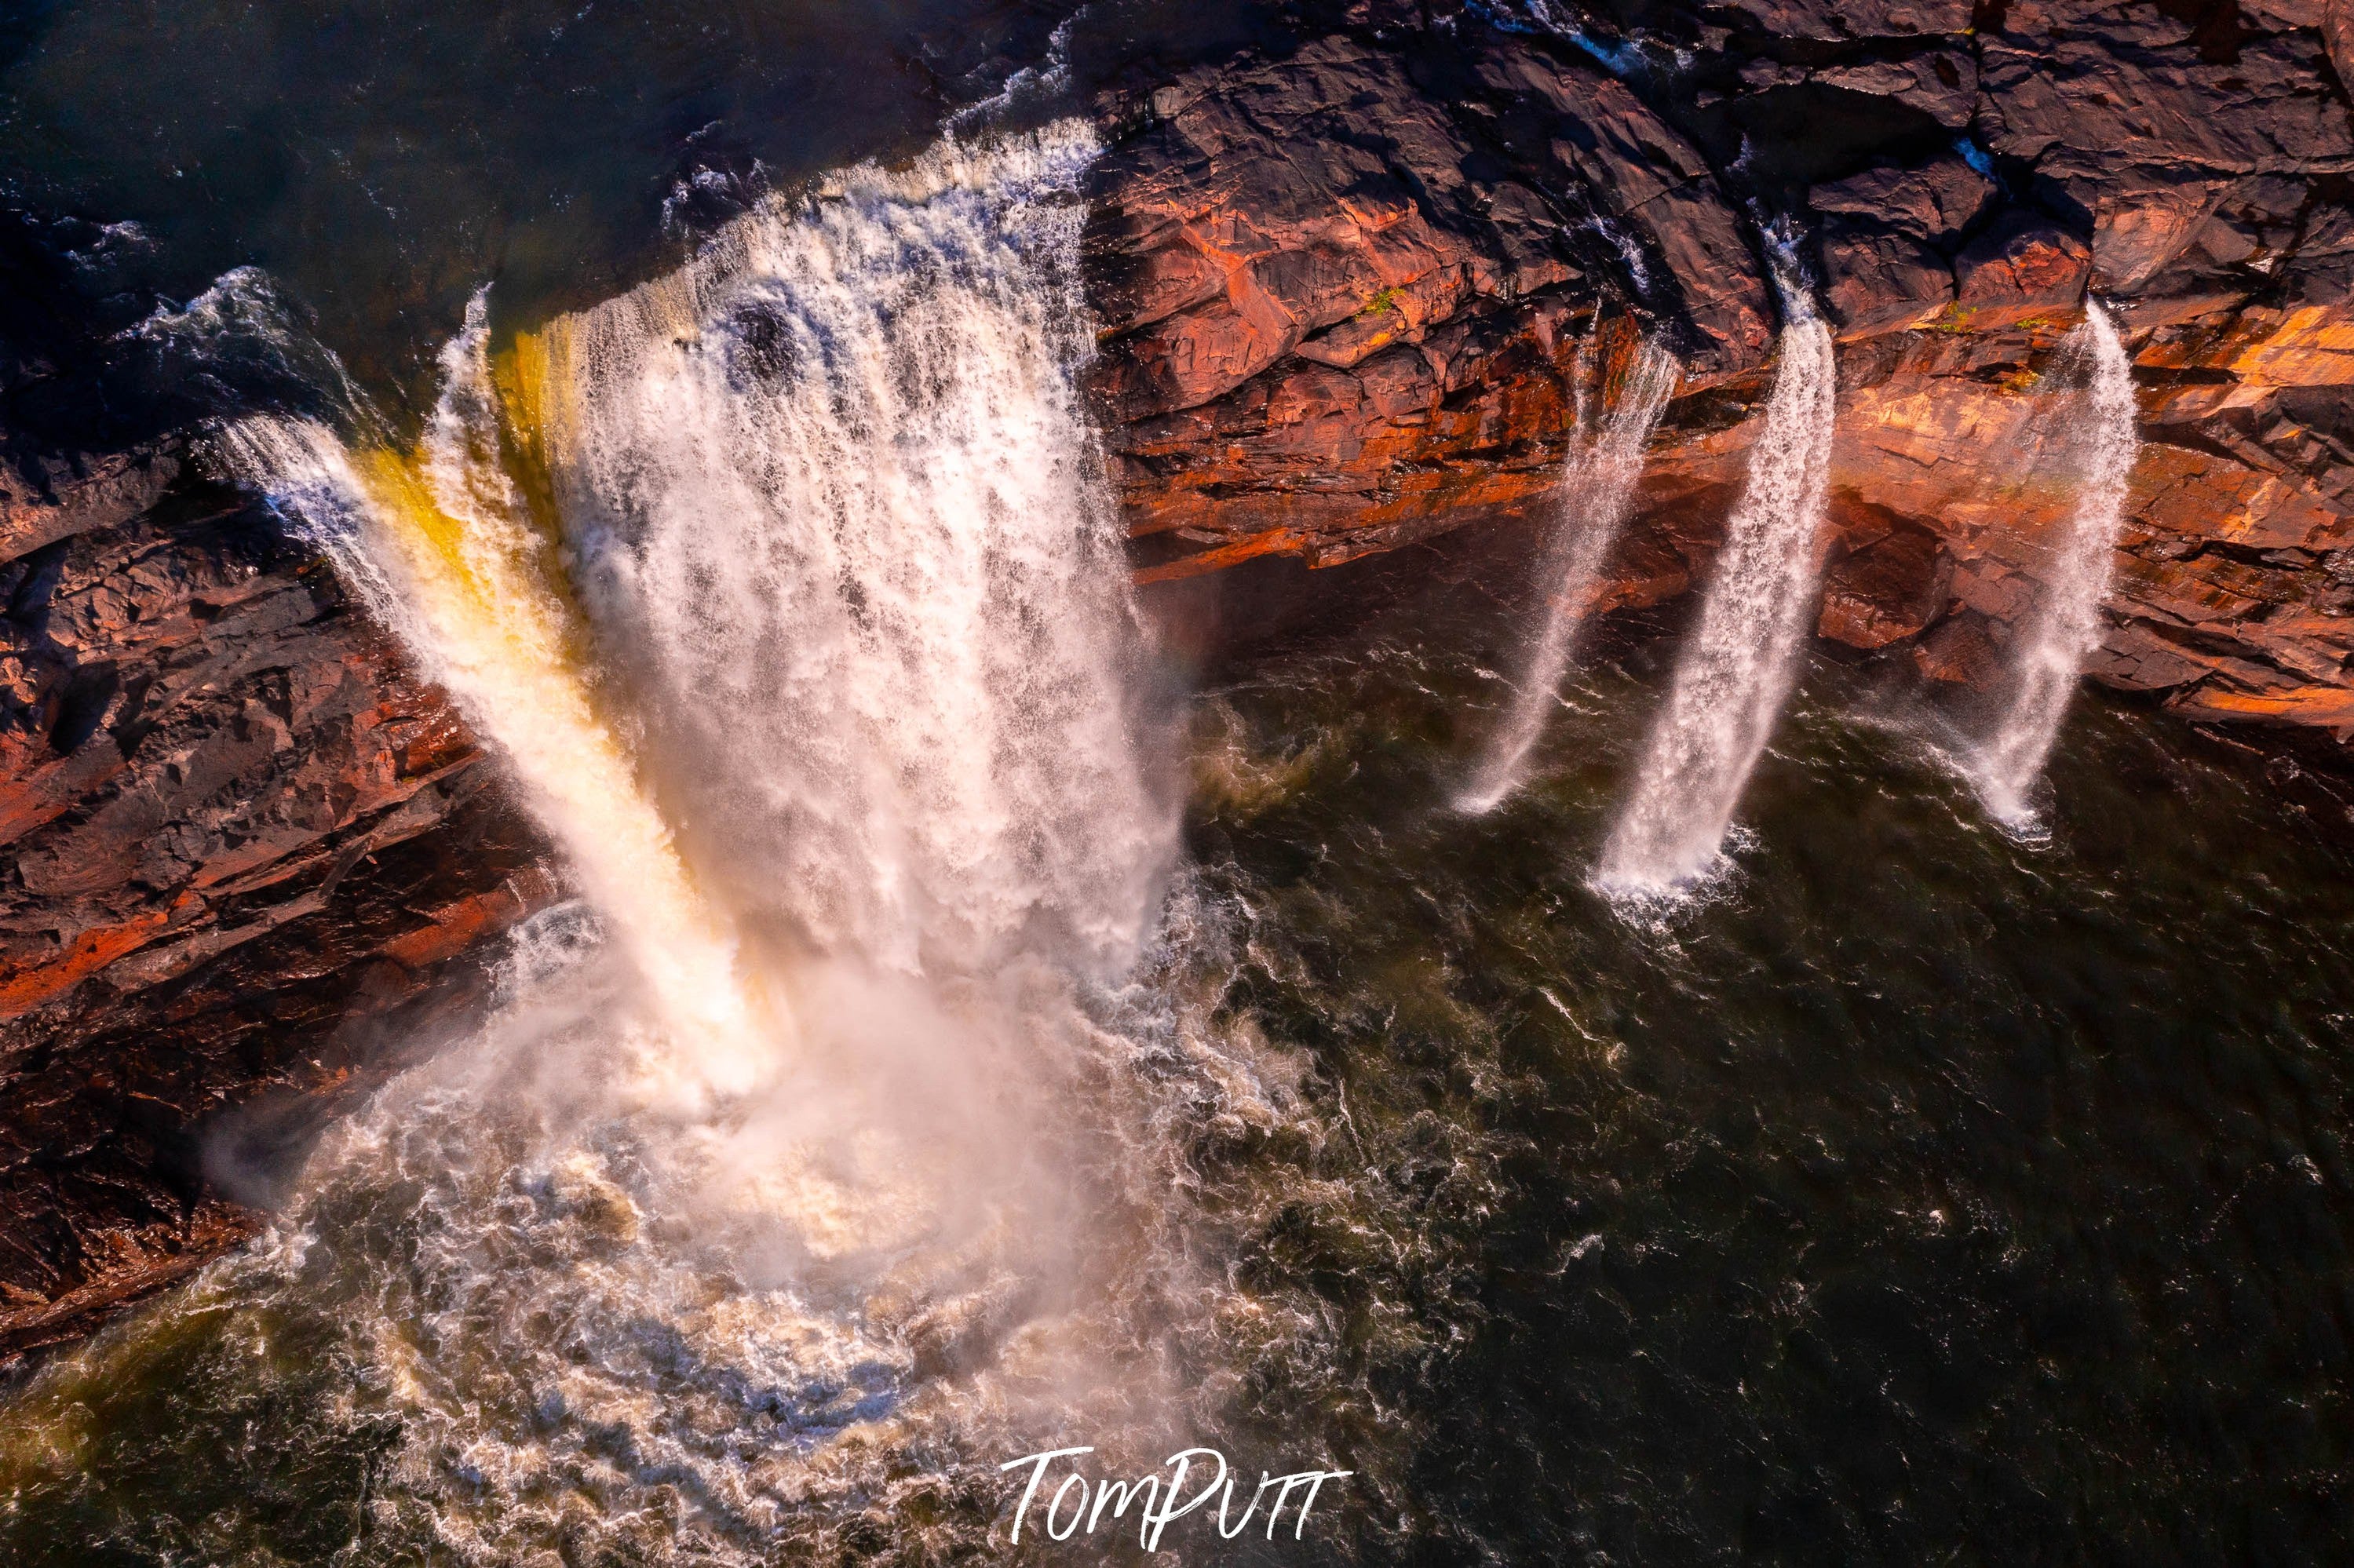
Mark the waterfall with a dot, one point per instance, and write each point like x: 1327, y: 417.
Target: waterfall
x: 441, y: 549
x: 838, y: 521
x: 1598, y: 479
x: 1742, y: 657
x: 2065, y: 627
x: 790, y: 589
x: 786, y: 584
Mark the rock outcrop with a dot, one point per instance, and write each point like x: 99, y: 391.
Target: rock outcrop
x: 237, y: 830
x: 1340, y: 301
x: 1344, y: 282
x: 244, y: 852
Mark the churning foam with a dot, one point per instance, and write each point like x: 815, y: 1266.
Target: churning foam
x: 1741, y: 659
x: 1598, y: 479
x: 2051, y: 648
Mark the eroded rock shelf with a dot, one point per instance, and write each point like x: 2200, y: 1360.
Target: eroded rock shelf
x: 1342, y: 290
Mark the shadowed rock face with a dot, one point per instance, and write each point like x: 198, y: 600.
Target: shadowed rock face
x: 1343, y: 287
x: 1344, y: 280
x: 236, y: 830
x: 241, y: 845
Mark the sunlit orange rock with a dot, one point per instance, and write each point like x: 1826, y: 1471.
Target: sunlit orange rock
x: 235, y: 827
x: 1346, y: 294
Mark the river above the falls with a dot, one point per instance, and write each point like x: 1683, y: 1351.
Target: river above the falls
x: 380, y: 163
x: 1921, y: 1194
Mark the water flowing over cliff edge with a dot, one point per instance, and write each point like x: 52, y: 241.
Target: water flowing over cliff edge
x: 1740, y: 660
x: 788, y: 590
x: 1598, y: 488
x: 1318, y: 354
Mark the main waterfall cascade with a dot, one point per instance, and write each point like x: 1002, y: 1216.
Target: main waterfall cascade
x: 1741, y: 659
x: 1598, y: 479
x: 2100, y: 447
x: 830, y: 487
x: 787, y: 586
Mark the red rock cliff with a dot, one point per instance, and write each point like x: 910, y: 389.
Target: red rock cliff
x: 233, y: 830
x: 1342, y: 283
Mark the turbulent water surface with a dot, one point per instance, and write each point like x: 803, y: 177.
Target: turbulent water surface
x: 1917, y: 1192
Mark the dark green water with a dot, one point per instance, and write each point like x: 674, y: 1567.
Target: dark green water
x: 382, y: 160
x: 1923, y: 1198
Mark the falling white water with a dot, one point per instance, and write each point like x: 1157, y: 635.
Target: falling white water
x: 1742, y: 657
x: 788, y: 588
x: 839, y: 526
x: 2065, y: 627
x: 1599, y: 480
x: 441, y: 552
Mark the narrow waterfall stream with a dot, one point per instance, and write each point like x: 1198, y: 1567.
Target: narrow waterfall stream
x: 1741, y: 657
x: 1598, y: 490
x: 2098, y: 446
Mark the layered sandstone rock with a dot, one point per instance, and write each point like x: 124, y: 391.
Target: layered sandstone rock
x: 242, y: 849
x: 1341, y: 301
x: 1344, y: 288
x: 234, y: 830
